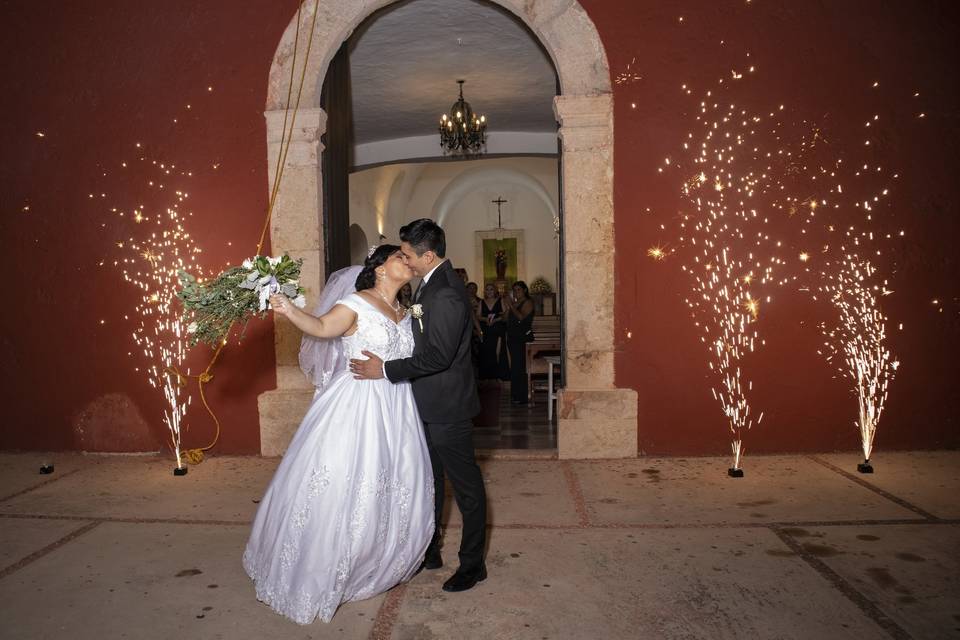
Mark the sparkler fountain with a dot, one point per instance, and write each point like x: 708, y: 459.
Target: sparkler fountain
x: 839, y: 220
x: 170, y: 255
x: 859, y: 337
x: 746, y: 169
x: 159, y: 260
x: 726, y: 236
x: 855, y: 337
x: 157, y: 250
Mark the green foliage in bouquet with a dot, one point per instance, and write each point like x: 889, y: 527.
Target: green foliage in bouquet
x: 211, y: 308
x: 540, y: 285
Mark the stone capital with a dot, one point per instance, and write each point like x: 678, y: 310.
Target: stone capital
x: 304, y: 144
x: 310, y: 123
x: 586, y: 121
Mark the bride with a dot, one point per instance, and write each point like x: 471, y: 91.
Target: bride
x: 349, y: 512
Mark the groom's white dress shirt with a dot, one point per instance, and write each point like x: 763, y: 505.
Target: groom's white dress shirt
x: 426, y: 278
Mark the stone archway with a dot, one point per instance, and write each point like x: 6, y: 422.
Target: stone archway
x: 595, y: 419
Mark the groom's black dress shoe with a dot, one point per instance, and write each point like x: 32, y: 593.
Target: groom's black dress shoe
x: 465, y: 579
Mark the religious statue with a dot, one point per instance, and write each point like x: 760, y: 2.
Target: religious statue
x: 500, y: 259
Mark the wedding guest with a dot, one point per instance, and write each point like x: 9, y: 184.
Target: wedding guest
x: 475, y: 342
x: 519, y: 313
x: 493, y: 325
x: 474, y: 300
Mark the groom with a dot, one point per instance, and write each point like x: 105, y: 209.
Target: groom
x: 446, y: 394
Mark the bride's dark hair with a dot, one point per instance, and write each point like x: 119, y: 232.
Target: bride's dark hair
x: 368, y: 275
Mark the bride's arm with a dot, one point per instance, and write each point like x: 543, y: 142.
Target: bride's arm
x: 333, y: 324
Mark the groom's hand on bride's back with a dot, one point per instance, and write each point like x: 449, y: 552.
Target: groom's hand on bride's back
x: 370, y: 369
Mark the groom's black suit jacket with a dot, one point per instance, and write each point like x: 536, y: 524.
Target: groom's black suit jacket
x: 441, y: 368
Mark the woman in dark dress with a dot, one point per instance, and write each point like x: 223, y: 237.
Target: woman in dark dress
x: 493, y: 357
x: 476, y: 341
x: 519, y: 310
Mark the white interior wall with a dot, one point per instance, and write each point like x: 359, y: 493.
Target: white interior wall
x: 383, y: 198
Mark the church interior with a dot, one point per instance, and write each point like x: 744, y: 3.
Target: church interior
x: 503, y: 194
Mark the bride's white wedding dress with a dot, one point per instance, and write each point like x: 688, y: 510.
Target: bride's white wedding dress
x: 349, y: 512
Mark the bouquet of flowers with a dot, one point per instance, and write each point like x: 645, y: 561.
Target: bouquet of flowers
x: 540, y: 285
x: 211, y: 308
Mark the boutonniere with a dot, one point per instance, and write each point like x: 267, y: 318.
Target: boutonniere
x: 416, y: 311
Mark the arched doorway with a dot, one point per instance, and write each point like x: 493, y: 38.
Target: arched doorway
x: 595, y: 418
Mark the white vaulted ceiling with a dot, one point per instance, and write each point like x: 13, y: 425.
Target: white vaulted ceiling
x: 405, y: 61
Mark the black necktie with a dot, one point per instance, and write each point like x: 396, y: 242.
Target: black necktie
x: 416, y: 294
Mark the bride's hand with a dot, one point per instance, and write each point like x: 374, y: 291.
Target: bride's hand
x: 281, y: 304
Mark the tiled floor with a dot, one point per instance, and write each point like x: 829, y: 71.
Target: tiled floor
x: 503, y: 425
x: 801, y: 548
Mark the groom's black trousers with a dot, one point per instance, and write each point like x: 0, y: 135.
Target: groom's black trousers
x: 451, y: 455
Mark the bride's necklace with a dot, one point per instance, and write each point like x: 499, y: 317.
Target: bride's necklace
x: 395, y: 306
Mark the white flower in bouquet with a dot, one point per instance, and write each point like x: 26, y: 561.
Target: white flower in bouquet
x: 235, y: 295
x: 192, y: 327
x: 300, y: 302
x: 263, y: 296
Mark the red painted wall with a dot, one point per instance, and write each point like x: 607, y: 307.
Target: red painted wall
x: 100, y: 77
x: 96, y: 78
x: 820, y: 60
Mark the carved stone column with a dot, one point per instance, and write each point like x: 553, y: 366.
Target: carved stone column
x: 595, y: 419
x: 294, y: 229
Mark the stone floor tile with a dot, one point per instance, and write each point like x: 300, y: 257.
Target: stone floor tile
x: 20, y: 537
x: 529, y: 492
x: 927, y: 479
x: 21, y: 471
x: 154, y: 582
x: 690, y: 583
x: 697, y: 490
x: 910, y: 571
x: 220, y: 488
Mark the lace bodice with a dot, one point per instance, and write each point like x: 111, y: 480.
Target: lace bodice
x: 376, y: 332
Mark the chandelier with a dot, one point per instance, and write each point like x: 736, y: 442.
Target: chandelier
x: 462, y: 130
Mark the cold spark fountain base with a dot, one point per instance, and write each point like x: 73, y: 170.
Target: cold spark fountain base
x: 865, y: 467
x: 735, y: 473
